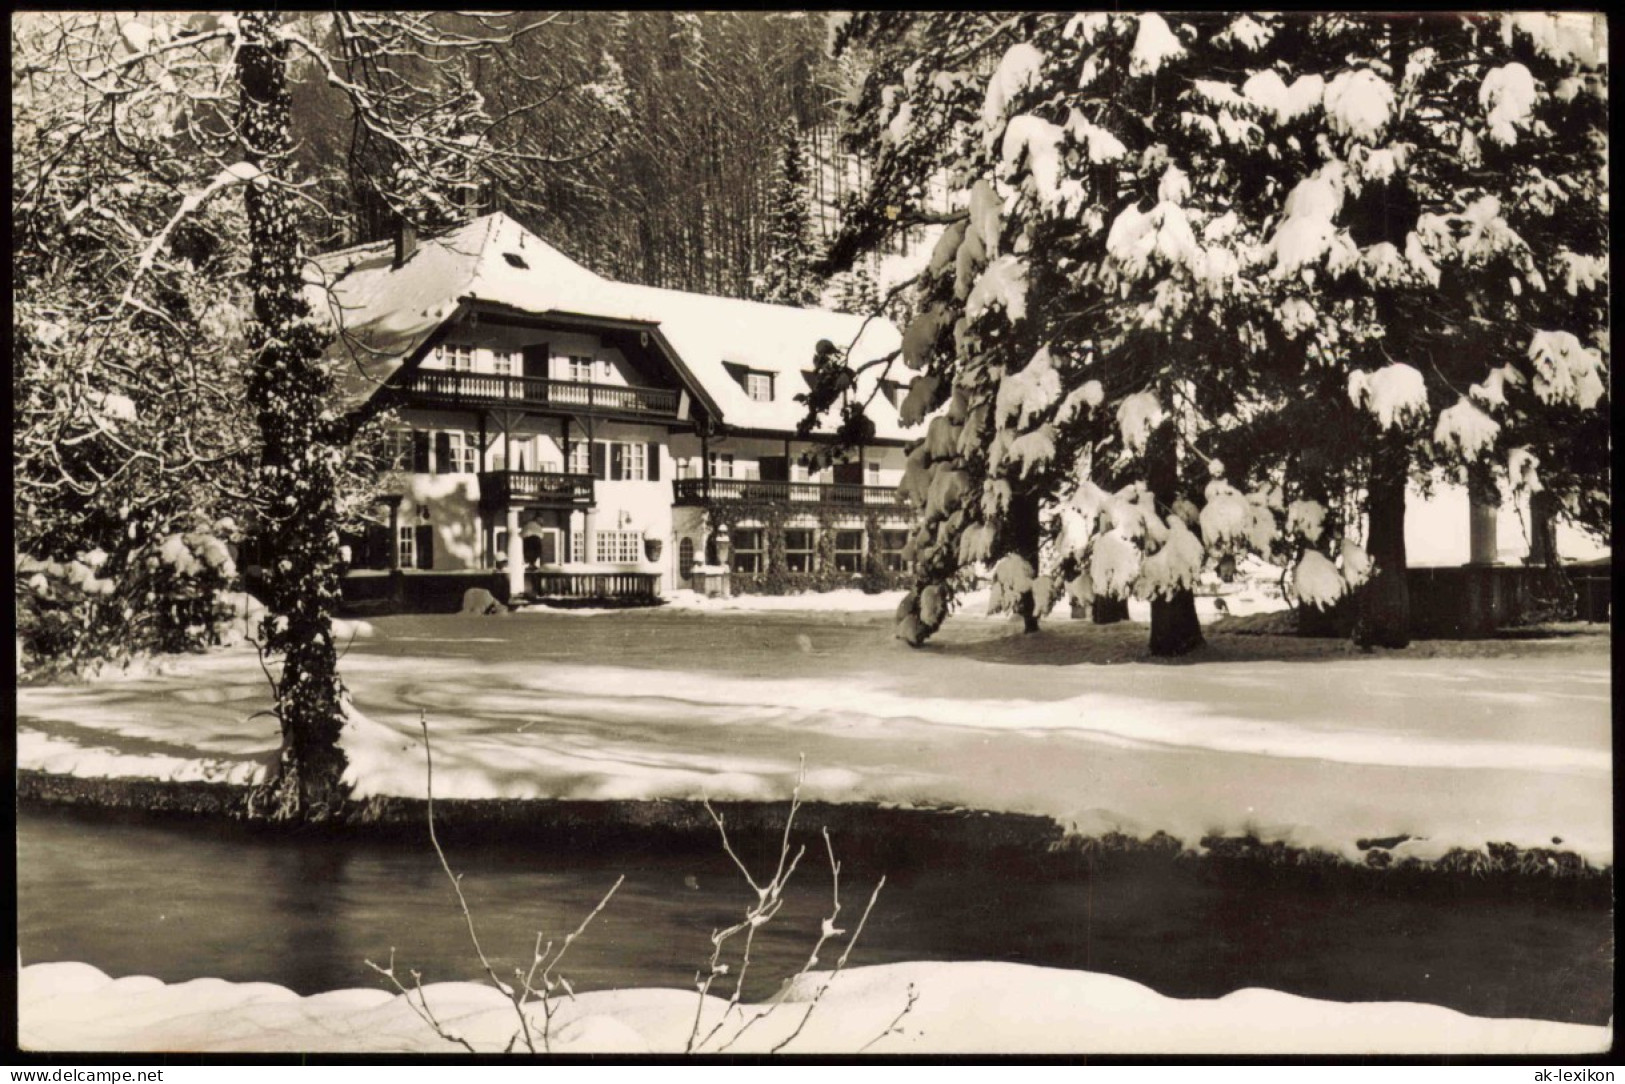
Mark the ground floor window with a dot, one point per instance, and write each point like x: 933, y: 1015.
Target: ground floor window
x: 849, y: 551
x: 619, y: 547
x: 892, y: 544
x: 407, y: 543
x: 685, y: 558
x: 798, y: 549
x: 749, y: 555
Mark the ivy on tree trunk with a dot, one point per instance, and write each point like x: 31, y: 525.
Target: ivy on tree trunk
x: 292, y: 396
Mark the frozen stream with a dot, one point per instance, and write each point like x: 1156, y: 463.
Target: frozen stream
x: 178, y: 902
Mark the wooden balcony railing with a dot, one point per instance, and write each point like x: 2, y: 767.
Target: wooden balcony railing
x: 505, y: 488
x: 450, y: 387
x: 699, y: 491
x: 640, y: 586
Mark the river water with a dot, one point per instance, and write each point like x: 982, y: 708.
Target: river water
x: 180, y: 901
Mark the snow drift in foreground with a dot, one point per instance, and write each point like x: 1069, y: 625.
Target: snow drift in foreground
x: 960, y: 1008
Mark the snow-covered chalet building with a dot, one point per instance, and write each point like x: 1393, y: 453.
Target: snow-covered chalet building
x: 559, y: 434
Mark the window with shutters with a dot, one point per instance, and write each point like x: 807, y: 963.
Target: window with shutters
x: 849, y: 551
x: 634, y: 462
x: 456, y: 452
x: 748, y: 555
x: 630, y: 461
x: 619, y: 547
x: 798, y: 549
x: 459, y: 357
x: 397, y: 450
x: 892, y: 545
x: 465, y: 453
x: 407, y: 540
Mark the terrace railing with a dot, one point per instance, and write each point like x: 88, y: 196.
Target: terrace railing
x: 839, y: 495
x: 636, y: 586
x: 450, y: 387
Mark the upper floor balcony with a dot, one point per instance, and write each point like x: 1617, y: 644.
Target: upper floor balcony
x: 535, y: 489
x: 458, y: 388
x: 690, y: 491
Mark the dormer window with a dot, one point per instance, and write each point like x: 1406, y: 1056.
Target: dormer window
x: 758, y: 383
x: 895, y: 392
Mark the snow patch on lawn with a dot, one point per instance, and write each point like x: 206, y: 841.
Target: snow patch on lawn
x: 982, y: 1008
x: 45, y: 753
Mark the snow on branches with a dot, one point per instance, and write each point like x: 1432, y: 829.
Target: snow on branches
x: 1395, y: 395
x: 1189, y: 237
x: 1565, y: 370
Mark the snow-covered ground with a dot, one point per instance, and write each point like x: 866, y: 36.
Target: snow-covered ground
x: 1451, y: 744
x: 982, y: 1008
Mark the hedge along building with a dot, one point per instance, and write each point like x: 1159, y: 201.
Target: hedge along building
x: 558, y: 433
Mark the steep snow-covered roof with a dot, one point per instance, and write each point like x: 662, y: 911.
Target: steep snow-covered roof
x: 386, y: 313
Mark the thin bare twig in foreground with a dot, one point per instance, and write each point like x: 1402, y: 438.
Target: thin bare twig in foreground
x: 894, y: 1027
x: 422, y: 1009
x: 839, y: 964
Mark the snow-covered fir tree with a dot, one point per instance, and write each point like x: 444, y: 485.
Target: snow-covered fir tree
x: 786, y: 277
x: 855, y: 291
x: 1218, y: 280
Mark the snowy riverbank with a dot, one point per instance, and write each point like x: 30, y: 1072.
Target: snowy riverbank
x: 1472, y: 744
x: 982, y: 1008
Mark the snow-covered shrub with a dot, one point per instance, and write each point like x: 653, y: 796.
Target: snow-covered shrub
x: 171, y: 595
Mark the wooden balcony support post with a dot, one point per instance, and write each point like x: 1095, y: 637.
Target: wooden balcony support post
x: 394, y: 533
x: 516, y: 555
x: 589, y: 521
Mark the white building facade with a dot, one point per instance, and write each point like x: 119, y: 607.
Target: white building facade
x: 556, y: 434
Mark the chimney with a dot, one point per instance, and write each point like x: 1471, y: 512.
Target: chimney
x: 406, y: 240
